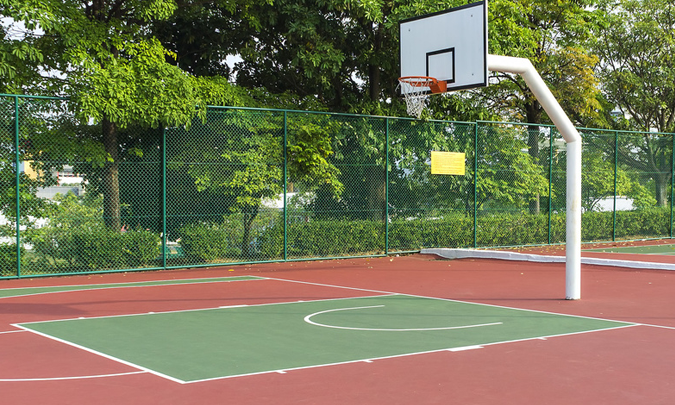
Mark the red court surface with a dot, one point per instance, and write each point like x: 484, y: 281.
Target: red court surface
x: 633, y: 365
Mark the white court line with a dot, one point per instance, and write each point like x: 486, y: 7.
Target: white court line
x: 309, y: 317
x: 86, y: 349
x: 657, y: 326
x: 11, y: 331
x: 82, y: 377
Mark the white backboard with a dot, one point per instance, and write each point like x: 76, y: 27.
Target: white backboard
x: 449, y: 45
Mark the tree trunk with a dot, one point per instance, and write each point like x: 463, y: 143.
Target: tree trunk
x: 376, y: 203
x: 246, y: 248
x: 661, y: 185
x: 111, y: 182
x: 374, y: 71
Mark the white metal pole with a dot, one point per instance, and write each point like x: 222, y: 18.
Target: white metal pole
x: 524, y: 68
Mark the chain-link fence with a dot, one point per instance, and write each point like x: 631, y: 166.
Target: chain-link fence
x: 254, y: 185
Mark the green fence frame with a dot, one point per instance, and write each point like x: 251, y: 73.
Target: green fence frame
x: 480, y: 217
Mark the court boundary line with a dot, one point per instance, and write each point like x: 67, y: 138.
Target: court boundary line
x: 83, y: 377
x: 10, y: 331
x: 161, y: 283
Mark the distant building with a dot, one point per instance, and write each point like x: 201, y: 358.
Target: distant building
x: 67, y: 181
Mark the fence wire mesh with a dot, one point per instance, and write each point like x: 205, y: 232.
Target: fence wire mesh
x: 249, y: 185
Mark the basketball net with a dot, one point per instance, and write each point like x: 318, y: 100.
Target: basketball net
x: 415, y: 90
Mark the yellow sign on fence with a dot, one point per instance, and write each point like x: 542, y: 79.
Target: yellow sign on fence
x: 452, y: 163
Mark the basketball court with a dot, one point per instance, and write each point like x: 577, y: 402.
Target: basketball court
x: 384, y: 330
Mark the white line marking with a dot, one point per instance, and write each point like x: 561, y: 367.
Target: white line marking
x: 82, y: 377
x: 461, y: 349
x: 657, y: 326
x: 11, y: 331
x: 109, y: 357
x: 334, y: 286
x: 308, y: 319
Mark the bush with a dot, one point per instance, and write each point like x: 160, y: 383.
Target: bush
x: 8, y: 259
x: 101, y: 248
x: 323, y: 238
x: 326, y: 238
x: 211, y: 242
x: 75, y: 239
x: 410, y: 235
x: 221, y: 242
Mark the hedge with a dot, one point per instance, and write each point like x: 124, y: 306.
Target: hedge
x: 8, y: 259
x: 87, y: 248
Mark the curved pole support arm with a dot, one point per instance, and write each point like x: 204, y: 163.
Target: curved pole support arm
x: 526, y: 70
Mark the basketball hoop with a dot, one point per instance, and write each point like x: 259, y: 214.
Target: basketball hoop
x: 415, y: 91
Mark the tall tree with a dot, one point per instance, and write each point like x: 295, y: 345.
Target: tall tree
x: 102, y: 54
x: 19, y: 56
x: 636, y: 47
x: 553, y: 36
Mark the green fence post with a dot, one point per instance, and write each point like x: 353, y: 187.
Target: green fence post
x: 285, y: 211
x: 550, y: 181
x: 475, y: 185
x: 616, y: 170
x: 17, y: 185
x: 164, y: 213
x: 386, y: 186
x: 672, y: 183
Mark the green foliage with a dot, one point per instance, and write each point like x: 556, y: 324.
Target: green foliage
x: 636, y: 46
x: 101, y: 248
x: 316, y: 238
x: 8, y: 259
x: 415, y: 234
x: 75, y: 239
x: 652, y: 222
x: 555, y: 37
x: 244, y: 159
x: 211, y: 242
x: 308, y: 155
x: 217, y: 242
x: 324, y: 238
